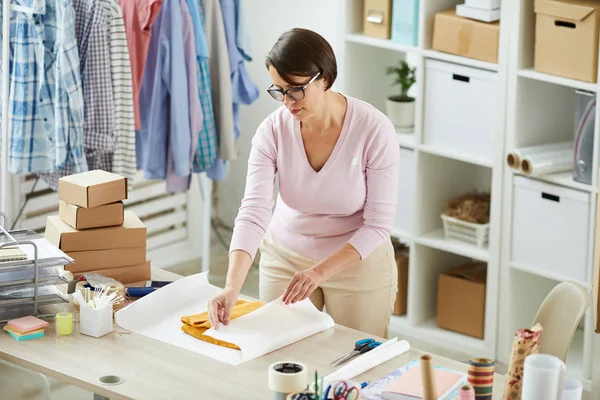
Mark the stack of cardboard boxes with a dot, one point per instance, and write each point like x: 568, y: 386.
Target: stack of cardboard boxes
x: 94, y: 229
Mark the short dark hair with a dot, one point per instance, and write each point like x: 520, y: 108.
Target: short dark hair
x: 302, y: 52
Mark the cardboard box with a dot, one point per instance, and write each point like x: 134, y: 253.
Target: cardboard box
x: 402, y: 263
x: 98, y: 217
x: 92, y: 188
x: 461, y: 299
x: 378, y: 19
x: 106, y: 259
x: 566, y: 38
x: 134, y: 273
x: 131, y: 234
x: 465, y: 37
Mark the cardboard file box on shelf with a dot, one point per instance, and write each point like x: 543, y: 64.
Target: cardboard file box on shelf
x: 378, y: 18
x: 92, y: 188
x: 402, y: 264
x: 465, y: 37
x: 98, y: 217
x: 566, y: 38
x: 405, y: 22
x: 125, y: 275
x: 105, y: 259
x: 550, y: 228
x: 461, y: 109
x: 461, y: 299
x: 131, y: 234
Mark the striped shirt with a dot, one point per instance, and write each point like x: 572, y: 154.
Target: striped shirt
x: 123, y: 159
x: 46, y: 104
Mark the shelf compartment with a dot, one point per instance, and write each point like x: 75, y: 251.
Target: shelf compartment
x: 530, y: 73
x: 429, y: 332
x: 359, y: 38
x: 562, y: 179
x: 471, y: 62
x: 437, y: 240
x: 545, y: 274
x: 454, y: 155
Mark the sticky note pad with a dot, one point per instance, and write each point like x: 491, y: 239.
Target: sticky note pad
x: 27, y: 324
x: 26, y: 337
x: 9, y: 329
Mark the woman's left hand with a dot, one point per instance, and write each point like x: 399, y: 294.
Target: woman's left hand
x: 302, y: 285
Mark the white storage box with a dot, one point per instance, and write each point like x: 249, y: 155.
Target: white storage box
x: 550, y: 229
x: 461, y: 109
x: 406, y: 192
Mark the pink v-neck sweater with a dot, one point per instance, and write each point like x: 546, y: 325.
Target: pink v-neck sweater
x: 352, y: 199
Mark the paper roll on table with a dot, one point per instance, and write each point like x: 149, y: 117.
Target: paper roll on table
x: 287, y: 377
x: 428, y: 378
x: 543, y: 378
x: 572, y: 389
x: 385, y: 352
x: 515, y: 157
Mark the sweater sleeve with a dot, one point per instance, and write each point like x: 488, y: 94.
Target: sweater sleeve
x: 382, y: 154
x: 257, y: 205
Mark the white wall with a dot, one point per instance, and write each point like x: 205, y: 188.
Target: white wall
x: 266, y: 21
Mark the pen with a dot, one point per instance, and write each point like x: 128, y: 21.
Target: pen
x: 363, y: 385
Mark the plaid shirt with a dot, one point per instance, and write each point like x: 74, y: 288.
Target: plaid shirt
x: 46, y: 104
x: 206, y: 151
x: 107, y: 89
x: 91, y: 27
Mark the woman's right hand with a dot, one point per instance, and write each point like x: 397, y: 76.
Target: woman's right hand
x: 219, y: 308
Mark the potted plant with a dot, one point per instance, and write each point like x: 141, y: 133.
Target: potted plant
x: 400, y: 108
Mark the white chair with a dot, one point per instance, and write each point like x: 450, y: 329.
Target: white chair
x: 559, y: 314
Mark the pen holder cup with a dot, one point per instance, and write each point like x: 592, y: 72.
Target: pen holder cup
x: 96, y: 322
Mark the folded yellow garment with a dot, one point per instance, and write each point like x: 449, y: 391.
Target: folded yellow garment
x: 195, y: 325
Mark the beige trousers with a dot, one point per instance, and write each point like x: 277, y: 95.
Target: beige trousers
x: 360, y: 297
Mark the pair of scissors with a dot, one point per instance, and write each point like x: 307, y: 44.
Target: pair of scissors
x: 342, y: 391
x: 360, y: 347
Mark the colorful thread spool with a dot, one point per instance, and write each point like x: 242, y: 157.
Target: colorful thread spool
x: 466, y: 392
x: 481, y: 377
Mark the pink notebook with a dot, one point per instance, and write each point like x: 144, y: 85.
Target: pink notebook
x: 409, y: 384
x: 27, y: 324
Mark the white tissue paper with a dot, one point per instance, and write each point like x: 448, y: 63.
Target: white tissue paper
x: 271, y: 327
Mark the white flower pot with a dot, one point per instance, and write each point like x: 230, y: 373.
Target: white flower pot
x: 401, y: 113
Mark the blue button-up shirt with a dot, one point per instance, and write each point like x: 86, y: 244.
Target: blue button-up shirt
x: 46, y: 102
x: 164, y: 104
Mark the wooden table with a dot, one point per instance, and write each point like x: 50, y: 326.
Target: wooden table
x: 152, y: 369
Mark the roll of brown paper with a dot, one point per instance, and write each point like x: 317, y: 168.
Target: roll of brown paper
x: 526, y: 342
x: 428, y: 378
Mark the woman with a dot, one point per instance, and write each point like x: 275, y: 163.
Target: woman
x: 336, y: 160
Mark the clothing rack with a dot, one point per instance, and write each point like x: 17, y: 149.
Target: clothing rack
x: 5, y: 194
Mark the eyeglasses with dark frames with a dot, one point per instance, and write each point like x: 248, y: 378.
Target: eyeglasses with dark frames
x: 294, y: 93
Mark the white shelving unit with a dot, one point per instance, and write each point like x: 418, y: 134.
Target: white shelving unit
x: 540, y: 109
x: 431, y: 175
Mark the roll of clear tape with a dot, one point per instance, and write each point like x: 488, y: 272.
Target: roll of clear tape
x: 287, y: 377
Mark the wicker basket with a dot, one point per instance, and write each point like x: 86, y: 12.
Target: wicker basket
x: 466, y: 232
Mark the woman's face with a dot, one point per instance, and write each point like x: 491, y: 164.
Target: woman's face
x: 314, y: 95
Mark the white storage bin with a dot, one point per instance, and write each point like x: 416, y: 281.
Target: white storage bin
x: 461, y: 109
x: 550, y: 229
x: 406, y: 192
